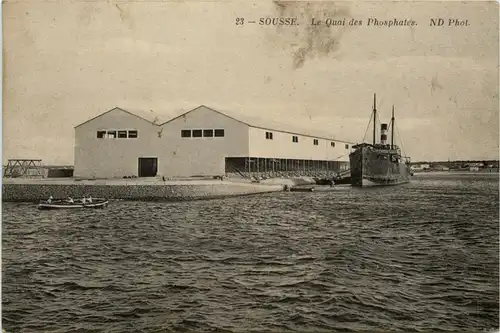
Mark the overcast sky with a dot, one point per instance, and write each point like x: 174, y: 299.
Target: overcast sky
x: 65, y: 62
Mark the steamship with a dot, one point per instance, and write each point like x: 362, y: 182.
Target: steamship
x: 379, y: 164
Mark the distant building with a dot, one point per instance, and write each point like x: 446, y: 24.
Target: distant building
x: 200, y: 142
x: 420, y: 167
x: 440, y: 168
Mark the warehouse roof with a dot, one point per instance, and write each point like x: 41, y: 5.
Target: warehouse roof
x: 256, y: 122
x: 267, y: 124
x: 149, y: 116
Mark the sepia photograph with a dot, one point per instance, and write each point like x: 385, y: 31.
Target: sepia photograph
x: 250, y: 166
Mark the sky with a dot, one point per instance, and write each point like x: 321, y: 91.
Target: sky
x: 65, y: 62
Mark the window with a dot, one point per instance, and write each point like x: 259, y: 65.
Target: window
x: 208, y: 133
x: 346, y: 146
x: 269, y: 135
x: 197, y: 133
x: 315, y: 142
x: 185, y: 133
x: 113, y: 134
x: 295, y: 138
x: 332, y: 144
x: 219, y: 133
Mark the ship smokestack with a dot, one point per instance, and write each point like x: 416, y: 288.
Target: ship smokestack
x: 383, y: 134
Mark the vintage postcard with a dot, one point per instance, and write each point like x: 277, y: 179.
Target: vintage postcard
x: 265, y: 166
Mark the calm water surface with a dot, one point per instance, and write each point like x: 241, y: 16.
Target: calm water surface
x: 418, y: 257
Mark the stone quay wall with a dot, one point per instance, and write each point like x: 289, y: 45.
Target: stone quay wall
x: 170, y: 191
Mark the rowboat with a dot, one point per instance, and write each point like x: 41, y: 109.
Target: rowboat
x: 65, y: 204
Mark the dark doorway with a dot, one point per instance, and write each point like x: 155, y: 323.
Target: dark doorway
x: 148, y: 166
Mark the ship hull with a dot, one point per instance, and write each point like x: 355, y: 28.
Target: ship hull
x: 371, y: 182
x: 371, y: 167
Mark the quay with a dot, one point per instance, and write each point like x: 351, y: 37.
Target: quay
x: 141, y: 189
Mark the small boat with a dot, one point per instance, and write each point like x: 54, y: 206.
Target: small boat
x: 79, y: 203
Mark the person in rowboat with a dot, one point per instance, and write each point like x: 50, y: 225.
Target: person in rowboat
x: 70, y: 200
x: 50, y: 199
x: 89, y: 199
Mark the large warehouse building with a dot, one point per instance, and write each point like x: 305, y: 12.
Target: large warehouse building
x: 200, y: 142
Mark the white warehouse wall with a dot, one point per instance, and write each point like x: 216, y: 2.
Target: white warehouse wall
x: 111, y: 158
x: 281, y: 146
x: 205, y: 155
x: 184, y: 157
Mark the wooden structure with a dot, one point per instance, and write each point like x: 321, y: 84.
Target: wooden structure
x: 23, y: 168
x: 255, y: 167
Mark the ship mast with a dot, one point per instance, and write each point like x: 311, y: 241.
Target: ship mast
x: 374, y: 116
x: 392, y: 128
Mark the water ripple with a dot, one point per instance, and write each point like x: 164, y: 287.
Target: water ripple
x: 419, y: 257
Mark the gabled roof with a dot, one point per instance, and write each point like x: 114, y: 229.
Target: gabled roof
x: 254, y: 122
x: 266, y: 124
x: 141, y: 115
x: 206, y: 107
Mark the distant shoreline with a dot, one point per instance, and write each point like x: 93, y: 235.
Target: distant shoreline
x: 487, y: 171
